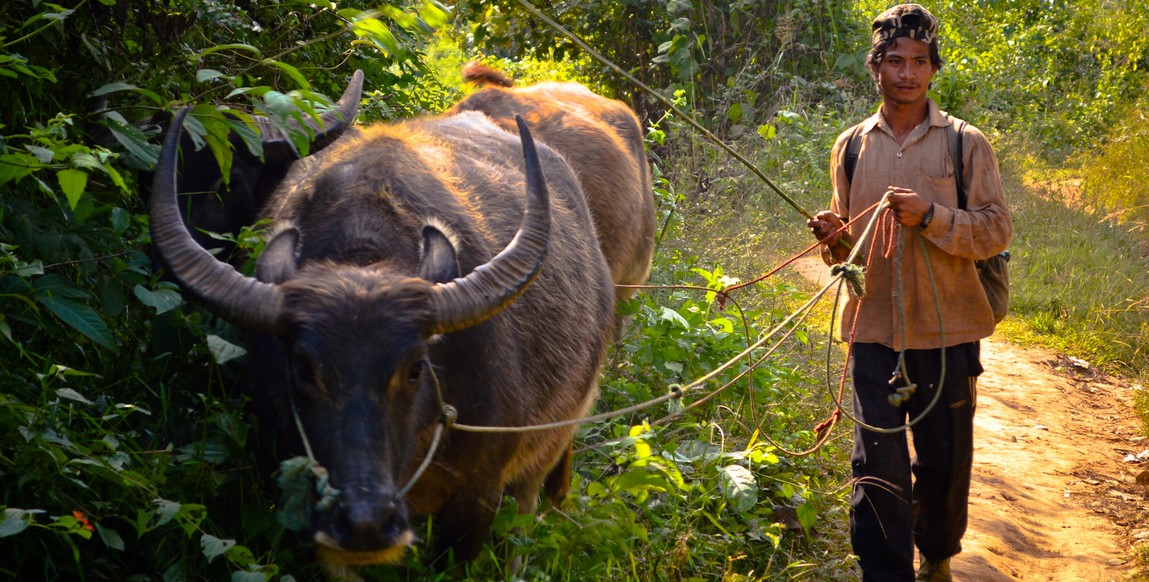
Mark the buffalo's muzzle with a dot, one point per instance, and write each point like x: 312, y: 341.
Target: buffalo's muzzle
x: 364, y: 531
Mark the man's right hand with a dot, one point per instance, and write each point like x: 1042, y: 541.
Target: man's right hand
x: 825, y: 225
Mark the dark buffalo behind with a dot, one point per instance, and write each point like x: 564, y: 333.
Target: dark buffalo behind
x: 211, y: 205
x: 601, y: 139
x: 381, y: 283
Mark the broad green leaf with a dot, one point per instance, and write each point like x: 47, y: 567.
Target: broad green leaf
x: 245, y: 132
x: 73, y: 182
x: 734, y: 112
x: 668, y: 314
x: 71, y: 394
x: 222, y: 350
x: 135, y: 142
x: 166, y: 510
x: 245, y: 576
x: 229, y: 47
x: 81, y: 317
x: 374, y: 30
x: 642, y: 481
x: 30, y: 269
x: 216, y: 134
x: 768, y: 131
x: 190, y: 516
x: 205, y: 75
x: 114, y: 87
x: 214, y: 547
x: 241, y: 556
x: 16, y: 520
x: 739, y: 486
x: 291, y: 72
x: 43, y: 154
x: 16, y: 165
x: 120, y: 219
x: 162, y: 300
x: 194, y: 127
x: 110, y: 537
x: 807, y: 516
x: 435, y: 14
x: 86, y: 160
x: 58, y: 285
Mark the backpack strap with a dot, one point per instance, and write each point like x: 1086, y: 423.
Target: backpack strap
x: 853, y: 147
x: 954, y: 140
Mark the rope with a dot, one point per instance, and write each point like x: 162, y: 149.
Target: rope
x: 805, y: 251
x: 294, y: 478
x: 900, y: 396
x: 446, y: 419
x: 668, y: 104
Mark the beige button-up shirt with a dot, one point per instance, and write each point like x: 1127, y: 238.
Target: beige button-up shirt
x: 953, y: 239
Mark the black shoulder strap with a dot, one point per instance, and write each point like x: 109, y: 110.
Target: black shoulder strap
x: 853, y: 147
x: 954, y: 139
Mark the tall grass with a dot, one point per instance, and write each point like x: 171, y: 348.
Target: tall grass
x: 1079, y: 278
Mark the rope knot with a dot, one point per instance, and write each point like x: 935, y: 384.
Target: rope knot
x: 902, y: 395
x: 449, y: 415
x: 855, y: 275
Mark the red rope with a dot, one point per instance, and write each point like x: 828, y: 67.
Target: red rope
x: 836, y: 415
x: 794, y: 258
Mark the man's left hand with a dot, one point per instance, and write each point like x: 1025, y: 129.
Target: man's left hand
x: 909, y: 208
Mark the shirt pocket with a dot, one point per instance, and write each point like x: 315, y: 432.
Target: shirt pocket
x: 938, y: 180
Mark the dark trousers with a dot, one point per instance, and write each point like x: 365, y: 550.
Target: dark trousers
x: 889, y: 515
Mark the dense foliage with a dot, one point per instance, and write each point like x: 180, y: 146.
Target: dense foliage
x: 124, y: 450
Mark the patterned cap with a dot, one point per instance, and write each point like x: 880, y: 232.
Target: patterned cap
x: 909, y: 20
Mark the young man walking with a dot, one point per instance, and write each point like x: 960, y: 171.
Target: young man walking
x: 900, y: 346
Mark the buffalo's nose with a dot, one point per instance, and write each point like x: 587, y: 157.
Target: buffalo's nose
x: 367, y: 524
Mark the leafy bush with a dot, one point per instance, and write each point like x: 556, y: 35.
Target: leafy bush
x: 122, y: 448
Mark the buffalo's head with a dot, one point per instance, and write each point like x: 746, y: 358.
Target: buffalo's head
x: 355, y: 342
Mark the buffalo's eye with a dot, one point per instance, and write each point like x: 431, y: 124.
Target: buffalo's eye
x: 303, y: 369
x: 414, y: 373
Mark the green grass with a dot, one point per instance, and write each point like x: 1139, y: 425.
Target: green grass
x: 1079, y: 282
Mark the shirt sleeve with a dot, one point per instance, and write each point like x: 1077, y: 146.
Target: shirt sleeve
x: 985, y: 227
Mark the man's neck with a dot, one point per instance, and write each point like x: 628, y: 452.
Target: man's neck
x: 904, y: 117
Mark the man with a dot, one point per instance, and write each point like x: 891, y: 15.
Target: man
x: 898, y: 338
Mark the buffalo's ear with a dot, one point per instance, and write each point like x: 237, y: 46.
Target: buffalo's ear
x: 439, y: 264
x: 277, y: 263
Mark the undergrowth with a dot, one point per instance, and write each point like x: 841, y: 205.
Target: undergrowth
x: 124, y: 453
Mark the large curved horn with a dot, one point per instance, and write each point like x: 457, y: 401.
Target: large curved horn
x: 493, y: 286
x: 332, y: 124
x: 223, y: 290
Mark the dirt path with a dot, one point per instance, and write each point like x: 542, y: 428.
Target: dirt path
x: 1055, y: 492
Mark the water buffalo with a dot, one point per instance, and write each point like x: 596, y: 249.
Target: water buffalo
x: 601, y: 139
x: 410, y: 260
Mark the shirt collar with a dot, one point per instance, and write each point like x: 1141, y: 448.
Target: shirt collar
x: 935, y: 116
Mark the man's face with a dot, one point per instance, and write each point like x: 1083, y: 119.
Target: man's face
x: 905, y: 72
